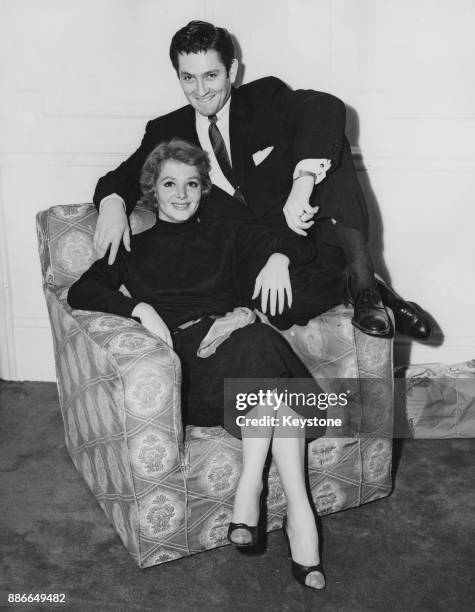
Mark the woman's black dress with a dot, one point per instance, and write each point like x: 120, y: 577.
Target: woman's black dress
x: 189, y: 271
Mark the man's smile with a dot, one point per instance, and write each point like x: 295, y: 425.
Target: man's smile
x: 204, y: 99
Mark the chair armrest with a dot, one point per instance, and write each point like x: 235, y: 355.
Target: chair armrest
x: 333, y: 351
x: 143, y: 370
x: 119, y: 388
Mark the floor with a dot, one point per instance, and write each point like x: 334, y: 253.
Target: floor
x: 413, y: 551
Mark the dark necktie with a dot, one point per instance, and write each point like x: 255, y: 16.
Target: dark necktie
x: 219, y: 148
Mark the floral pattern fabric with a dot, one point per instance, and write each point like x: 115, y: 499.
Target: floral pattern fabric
x: 169, y: 493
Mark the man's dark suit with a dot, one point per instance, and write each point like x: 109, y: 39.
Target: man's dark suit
x: 302, y: 124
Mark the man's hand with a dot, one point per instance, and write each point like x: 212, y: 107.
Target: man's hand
x: 297, y: 211
x: 111, y: 228
x: 152, y: 321
x: 273, y: 282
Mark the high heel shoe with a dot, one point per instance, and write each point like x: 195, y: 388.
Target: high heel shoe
x: 253, y: 530
x: 300, y: 572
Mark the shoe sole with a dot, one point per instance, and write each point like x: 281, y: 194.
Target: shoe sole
x: 387, y: 333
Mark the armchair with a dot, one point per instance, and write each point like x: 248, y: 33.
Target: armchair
x: 168, y: 492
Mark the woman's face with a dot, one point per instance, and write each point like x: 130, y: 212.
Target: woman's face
x: 178, y: 191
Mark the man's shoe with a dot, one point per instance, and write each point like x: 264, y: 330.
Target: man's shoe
x: 370, y: 315
x: 409, y: 318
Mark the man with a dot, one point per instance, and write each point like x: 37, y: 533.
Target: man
x: 278, y: 157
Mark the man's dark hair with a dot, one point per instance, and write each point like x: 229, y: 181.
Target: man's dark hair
x: 199, y: 36
x: 174, y: 150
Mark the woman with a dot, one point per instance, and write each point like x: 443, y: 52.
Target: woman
x: 181, y: 275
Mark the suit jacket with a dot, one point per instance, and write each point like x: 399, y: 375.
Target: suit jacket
x: 265, y: 113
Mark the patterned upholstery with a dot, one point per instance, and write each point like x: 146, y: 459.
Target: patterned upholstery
x: 167, y: 494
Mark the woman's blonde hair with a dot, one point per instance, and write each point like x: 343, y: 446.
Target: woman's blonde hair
x: 176, y: 150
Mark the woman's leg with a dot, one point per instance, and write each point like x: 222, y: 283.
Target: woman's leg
x: 246, y: 501
x: 256, y: 353
x: 289, y: 456
x: 246, y: 354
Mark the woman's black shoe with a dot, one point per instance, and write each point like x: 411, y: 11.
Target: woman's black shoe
x: 253, y: 532
x: 300, y: 572
x: 370, y: 315
x: 409, y: 317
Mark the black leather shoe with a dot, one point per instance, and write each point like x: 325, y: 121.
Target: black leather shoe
x: 409, y: 318
x: 370, y: 315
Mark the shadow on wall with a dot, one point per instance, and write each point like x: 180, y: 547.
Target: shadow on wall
x: 376, y: 238
x: 376, y: 229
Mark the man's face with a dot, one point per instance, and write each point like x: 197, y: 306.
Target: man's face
x: 204, y: 80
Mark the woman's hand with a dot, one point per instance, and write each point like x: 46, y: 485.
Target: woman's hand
x: 152, y: 321
x: 273, y: 282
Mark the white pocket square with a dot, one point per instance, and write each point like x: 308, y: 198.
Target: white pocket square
x: 259, y: 156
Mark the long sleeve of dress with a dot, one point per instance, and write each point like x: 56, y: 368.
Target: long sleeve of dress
x: 98, y: 289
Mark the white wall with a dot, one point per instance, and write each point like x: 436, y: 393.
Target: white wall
x: 80, y: 79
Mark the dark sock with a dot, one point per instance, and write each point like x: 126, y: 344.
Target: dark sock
x: 360, y: 266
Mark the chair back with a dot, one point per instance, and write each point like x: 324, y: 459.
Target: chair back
x: 65, y: 238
